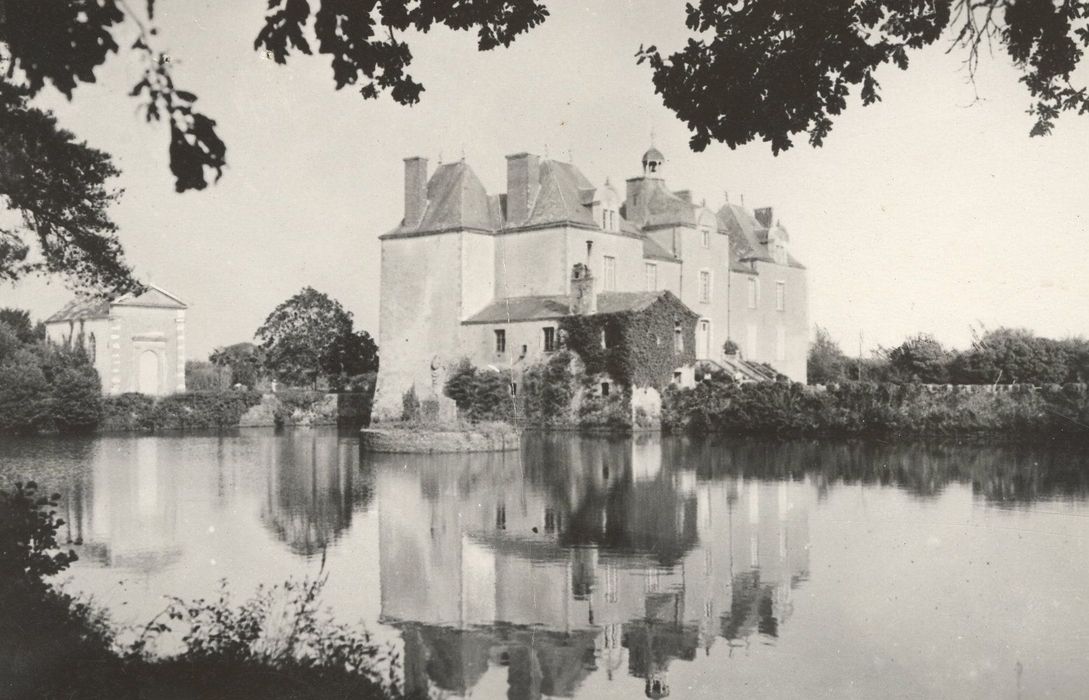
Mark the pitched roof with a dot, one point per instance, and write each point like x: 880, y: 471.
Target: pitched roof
x: 84, y: 308
x: 541, y: 308
x: 531, y: 308
x: 456, y: 199
x: 658, y: 206
x: 653, y: 251
x: 748, y: 237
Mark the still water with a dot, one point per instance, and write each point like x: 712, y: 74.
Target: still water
x: 615, y: 568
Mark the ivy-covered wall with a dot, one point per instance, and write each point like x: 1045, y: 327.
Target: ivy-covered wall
x: 638, y: 348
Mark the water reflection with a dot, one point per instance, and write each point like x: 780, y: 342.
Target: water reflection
x: 313, y: 486
x: 593, y: 555
x: 593, y: 566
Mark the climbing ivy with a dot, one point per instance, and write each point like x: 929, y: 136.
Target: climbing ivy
x: 635, y: 348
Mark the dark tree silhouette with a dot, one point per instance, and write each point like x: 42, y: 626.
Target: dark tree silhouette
x: 772, y: 69
x: 61, y: 189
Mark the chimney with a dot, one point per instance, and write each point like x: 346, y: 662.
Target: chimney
x: 765, y: 215
x: 686, y: 195
x: 523, y: 182
x: 415, y: 190
x: 583, y: 298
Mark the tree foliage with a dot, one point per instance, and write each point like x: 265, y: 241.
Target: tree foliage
x: 361, y: 40
x: 772, y: 69
x: 826, y: 363
x: 310, y: 337
x: 920, y: 359
x: 244, y: 360
x: 62, y: 42
x: 61, y: 189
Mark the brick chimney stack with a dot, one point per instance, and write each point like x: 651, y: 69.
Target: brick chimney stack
x: 415, y: 190
x: 765, y: 215
x: 523, y: 183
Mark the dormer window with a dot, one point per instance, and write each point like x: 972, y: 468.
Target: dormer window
x: 610, y: 220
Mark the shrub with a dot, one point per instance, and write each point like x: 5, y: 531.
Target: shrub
x: 129, y: 411
x: 410, y: 405
x: 24, y: 398
x: 76, y: 394
x: 548, y: 389
x: 202, y: 409
x: 204, y: 376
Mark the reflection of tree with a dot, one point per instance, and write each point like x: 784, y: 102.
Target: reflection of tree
x: 312, y: 489
x: 1000, y: 474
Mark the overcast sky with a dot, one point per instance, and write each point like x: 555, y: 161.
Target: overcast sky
x: 929, y: 211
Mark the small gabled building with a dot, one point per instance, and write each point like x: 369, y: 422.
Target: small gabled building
x: 136, y: 342
x: 471, y: 274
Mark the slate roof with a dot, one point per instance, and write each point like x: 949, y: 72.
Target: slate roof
x: 542, y: 308
x: 532, y: 308
x: 456, y: 199
x: 748, y: 238
x: 84, y: 308
x: 653, y: 251
x: 658, y: 206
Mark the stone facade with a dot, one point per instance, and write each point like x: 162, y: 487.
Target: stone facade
x: 469, y: 274
x: 135, y: 342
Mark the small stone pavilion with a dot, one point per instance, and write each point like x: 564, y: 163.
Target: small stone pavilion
x: 136, y: 342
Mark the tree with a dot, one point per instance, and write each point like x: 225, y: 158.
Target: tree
x: 244, y: 361
x: 1011, y: 356
x: 771, y: 69
x: 920, y: 359
x: 61, y: 189
x: 826, y: 363
x: 310, y: 337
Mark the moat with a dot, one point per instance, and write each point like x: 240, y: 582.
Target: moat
x: 613, y: 567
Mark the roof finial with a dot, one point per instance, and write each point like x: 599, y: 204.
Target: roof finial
x: 440, y: 157
x: 570, y: 155
x: 462, y: 151
x: 652, y: 136
x: 546, y: 150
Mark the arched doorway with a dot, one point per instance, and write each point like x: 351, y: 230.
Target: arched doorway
x: 148, y: 373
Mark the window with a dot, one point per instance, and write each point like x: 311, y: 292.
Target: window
x: 705, y: 237
x: 514, y: 388
x: 549, y: 339
x: 650, y: 271
x: 678, y: 337
x: 610, y: 273
x: 500, y: 340
x: 753, y: 296
x: 705, y: 286
x: 605, y: 388
x: 780, y: 296
x: 704, y: 341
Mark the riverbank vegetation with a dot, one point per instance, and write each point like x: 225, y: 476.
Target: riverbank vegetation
x: 279, y: 643
x: 45, y: 387
x: 718, y: 405
x: 998, y: 356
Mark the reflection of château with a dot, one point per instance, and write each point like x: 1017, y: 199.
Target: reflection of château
x: 592, y: 556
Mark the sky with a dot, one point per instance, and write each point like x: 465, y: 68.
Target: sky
x: 932, y: 211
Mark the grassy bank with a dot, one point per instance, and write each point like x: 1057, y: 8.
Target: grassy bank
x: 277, y: 644
x: 882, y: 410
